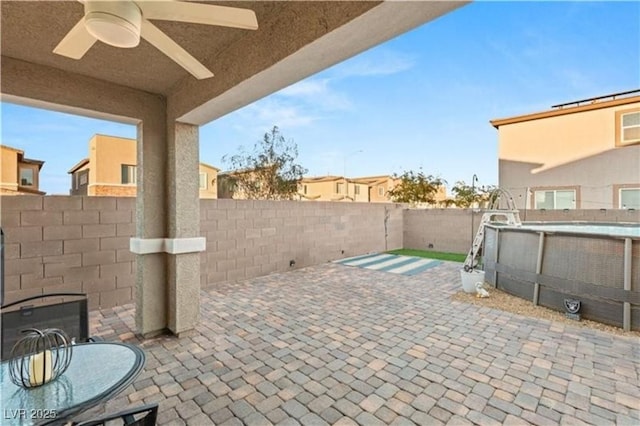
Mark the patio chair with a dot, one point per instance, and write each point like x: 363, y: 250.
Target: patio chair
x: 144, y: 415
x: 69, y: 315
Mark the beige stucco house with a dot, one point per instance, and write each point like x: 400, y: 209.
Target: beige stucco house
x: 580, y: 155
x: 110, y: 170
x: 367, y: 189
x: 19, y: 175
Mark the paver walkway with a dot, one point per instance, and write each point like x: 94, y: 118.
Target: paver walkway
x: 336, y: 344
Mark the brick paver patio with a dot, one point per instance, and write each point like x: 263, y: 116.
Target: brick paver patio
x: 335, y: 344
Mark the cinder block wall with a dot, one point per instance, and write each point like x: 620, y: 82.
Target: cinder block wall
x: 76, y: 243
x: 449, y: 230
x: 251, y: 238
x: 79, y: 243
x: 69, y: 244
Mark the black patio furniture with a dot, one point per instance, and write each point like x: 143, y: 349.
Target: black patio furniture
x: 68, y: 312
x: 144, y: 415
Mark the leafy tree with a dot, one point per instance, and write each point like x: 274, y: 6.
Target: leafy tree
x: 269, y: 171
x: 415, y: 187
x: 467, y: 195
x: 464, y: 195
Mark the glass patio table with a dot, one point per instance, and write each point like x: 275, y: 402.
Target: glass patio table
x: 97, y: 372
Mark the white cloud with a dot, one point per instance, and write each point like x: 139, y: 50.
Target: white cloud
x: 385, y: 62
x: 316, y: 94
x: 275, y: 112
x: 306, y: 88
x: 308, y: 101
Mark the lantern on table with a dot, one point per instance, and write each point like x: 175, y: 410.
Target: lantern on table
x: 39, y: 357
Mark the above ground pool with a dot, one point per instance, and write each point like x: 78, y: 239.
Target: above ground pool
x: 607, y: 229
x: 558, y: 263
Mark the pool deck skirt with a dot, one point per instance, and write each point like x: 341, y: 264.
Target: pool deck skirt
x: 334, y: 344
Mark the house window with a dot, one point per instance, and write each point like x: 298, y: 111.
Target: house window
x: 555, y: 199
x: 83, y: 178
x: 627, y: 127
x: 381, y: 191
x: 339, y: 188
x: 26, y: 177
x: 629, y: 198
x: 304, y: 189
x: 203, y: 181
x: 356, y: 189
x: 128, y: 174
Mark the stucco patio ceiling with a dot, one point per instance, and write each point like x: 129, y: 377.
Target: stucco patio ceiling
x: 167, y: 104
x: 294, y: 40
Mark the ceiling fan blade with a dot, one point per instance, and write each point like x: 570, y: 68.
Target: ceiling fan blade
x: 166, y: 45
x: 76, y: 43
x: 198, y: 13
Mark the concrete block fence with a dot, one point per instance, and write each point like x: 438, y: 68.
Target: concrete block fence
x: 247, y: 239
x: 79, y: 243
x: 449, y: 230
x: 69, y: 244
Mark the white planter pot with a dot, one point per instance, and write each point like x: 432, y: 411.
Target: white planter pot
x: 469, y: 279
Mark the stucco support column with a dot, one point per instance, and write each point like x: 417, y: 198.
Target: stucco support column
x: 151, y: 226
x: 184, y: 243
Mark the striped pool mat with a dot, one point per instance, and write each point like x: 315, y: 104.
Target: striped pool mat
x: 405, y: 265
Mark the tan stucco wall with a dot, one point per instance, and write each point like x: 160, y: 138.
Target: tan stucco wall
x: 375, y: 195
x: 574, y: 151
x: 9, y: 172
x: 106, y: 155
x: 558, y: 140
x: 324, y: 191
x: 212, y: 181
x: 10, y: 166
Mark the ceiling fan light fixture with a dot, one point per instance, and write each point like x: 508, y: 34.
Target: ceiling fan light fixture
x: 114, y: 23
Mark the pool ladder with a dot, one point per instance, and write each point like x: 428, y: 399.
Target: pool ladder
x: 510, y: 215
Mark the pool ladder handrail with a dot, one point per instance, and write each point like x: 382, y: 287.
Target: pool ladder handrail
x: 511, y: 215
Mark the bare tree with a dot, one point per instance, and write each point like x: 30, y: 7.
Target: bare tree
x: 268, y: 172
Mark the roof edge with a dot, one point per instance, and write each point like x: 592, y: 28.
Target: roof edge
x: 563, y: 111
x: 78, y: 165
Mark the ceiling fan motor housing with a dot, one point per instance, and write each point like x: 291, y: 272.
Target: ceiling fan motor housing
x: 116, y: 23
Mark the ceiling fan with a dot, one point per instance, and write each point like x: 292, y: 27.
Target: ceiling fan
x: 121, y: 23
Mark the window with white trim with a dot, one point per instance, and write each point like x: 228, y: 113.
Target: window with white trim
x: 629, y: 198
x: 630, y: 128
x: 339, y: 188
x: 128, y: 174
x: 203, y: 180
x: 381, y: 191
x: 555, y: 199
x: 356, y: 189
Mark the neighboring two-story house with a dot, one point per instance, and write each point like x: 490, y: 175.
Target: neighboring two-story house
x: 367, y: 189
x: 19, y: 175
x: 110, y: 170
x: 580, y: 155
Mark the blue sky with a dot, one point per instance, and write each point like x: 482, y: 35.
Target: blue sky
x: 423, y: 99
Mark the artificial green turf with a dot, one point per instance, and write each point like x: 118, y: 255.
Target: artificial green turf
x: 453, y: 257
